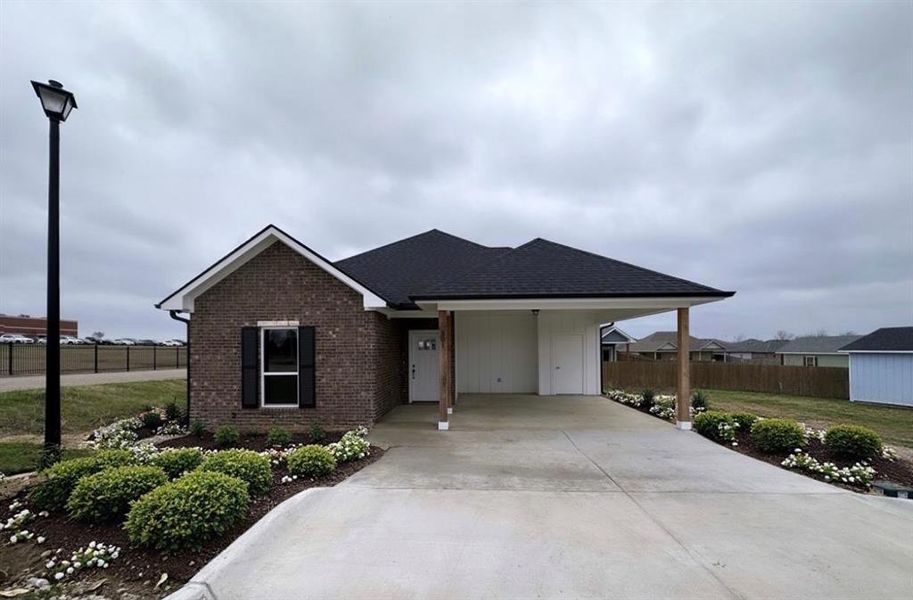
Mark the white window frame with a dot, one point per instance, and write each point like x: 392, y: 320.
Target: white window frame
x: 264, y: 374
x: 814, y: 361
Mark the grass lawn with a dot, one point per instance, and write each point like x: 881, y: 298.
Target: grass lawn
x: 87, y: 407
x: 83, y: 409
x: 19, y: 457
x: 895, y: 424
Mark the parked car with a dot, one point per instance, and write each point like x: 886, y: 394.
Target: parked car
x: 172, y: 343
x: 92, y: 340
x: 43, y: 341
x: 146, y: 342
x: 124, y: 342
x: 15, y: 338
x: 68, y: 340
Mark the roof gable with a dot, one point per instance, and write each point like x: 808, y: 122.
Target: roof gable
x: 544, y: 269
x: 614, y: 335
x: 183, y: 298
x: 886, y: 339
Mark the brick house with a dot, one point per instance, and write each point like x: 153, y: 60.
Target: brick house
x: 280, y: 335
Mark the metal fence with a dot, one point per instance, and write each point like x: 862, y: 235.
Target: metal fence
x: 822, y: 382
x: 29, y: 359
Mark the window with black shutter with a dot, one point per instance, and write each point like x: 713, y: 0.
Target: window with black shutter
x: 279, y: 359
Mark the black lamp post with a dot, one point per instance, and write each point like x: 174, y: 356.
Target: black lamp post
x: 57, y: 104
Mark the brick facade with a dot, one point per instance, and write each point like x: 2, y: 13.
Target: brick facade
x: 361, y: 355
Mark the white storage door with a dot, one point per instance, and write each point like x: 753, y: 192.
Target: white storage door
x: 496, y: 354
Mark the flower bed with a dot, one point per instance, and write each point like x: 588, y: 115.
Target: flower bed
x: 813, y: 458
x: 78, y: 551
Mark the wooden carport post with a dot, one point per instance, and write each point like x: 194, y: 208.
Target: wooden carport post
x: 683, y: 382
x: 445, y: 356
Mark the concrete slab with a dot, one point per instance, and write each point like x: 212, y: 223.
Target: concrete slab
x: 566, y: 497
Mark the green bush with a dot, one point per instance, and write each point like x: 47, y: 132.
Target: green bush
x: 53, y: 493
x: 278, y: 436
x: 854, y: 442
x: 227, y: 436
x: 177, y: 461
x: 318, y: 433
x: 777, y: 435
x: 246, y: 465
x: 745, y: 420
x: 700, y: 400
x: 106, y: 495
x: 648, y: 397
x: 197, y: 429
x: 172, y: 412
x: 186, y: 513
x: 151, y: 419
x: 311, y: 461
x: 716, y: 425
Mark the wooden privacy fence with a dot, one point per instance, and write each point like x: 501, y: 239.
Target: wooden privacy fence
x: 822, y: 382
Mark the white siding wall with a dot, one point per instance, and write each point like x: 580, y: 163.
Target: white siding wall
x: 557, y: 323
x: 496, y: 352
x: 885, y: 378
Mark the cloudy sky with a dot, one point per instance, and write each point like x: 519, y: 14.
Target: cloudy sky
x: 763, y: 148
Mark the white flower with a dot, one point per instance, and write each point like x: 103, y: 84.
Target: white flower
x: 58, y: 576
x: 41, y: 539
x: 69, y: 570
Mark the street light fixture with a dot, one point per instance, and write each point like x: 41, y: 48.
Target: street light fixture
x: 57, y: 104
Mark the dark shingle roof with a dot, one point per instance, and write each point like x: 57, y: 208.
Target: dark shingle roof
x: 399, y: 269
x: 886, y: 339
x: 753, y: 345
x: 658, y: 339
x: 817, y: 344
x: 543, y: 269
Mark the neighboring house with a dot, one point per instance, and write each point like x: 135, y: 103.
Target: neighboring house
x: 816, y: 351
x: 279, y: 335
x: 881, y: 366
x: 663, y: 345
x: 611, y: 338
x: 762, y: 352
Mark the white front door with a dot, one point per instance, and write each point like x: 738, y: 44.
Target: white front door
x: 424, y: 383
x: 567, y: 359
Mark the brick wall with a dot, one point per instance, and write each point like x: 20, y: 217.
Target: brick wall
x: 359, y: 353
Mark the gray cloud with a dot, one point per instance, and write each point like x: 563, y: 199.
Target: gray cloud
x: 766, y: 148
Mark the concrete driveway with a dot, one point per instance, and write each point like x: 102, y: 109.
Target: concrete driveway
x: 566, y: 497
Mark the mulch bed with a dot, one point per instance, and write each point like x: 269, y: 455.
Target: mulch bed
x: 897, y: 471
x: 137, y: 570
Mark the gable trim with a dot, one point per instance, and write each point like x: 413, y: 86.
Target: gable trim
x: 183, y: 298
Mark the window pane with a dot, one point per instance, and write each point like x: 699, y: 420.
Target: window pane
x: 281, y: 351
x: 280, y: 389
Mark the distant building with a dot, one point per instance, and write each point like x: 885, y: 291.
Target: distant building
x: 611, y: 339
x: 663, y: 345
x: 35, y: 326
x: 881, y: 366
x: 816, y: 351
x: 763, y: 352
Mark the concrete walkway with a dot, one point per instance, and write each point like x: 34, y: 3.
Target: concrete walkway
x: 566, y: 497
x: 9, y: 384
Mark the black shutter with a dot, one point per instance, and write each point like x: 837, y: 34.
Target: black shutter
x: 250, y: 371
x: 307, y: 357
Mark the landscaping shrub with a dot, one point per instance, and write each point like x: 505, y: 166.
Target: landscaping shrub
x: 854, y: 442
x: 351, y: 446
x: 744, y: 420
x: 700, y: 400
x: 777, y: 435
x: 177, y: 461
x: 197, y: 429
x: 227, y: 436
x: 172, y: 412
x: 246, y: 465
x: 151, y: 419
x: 311, y: 461
x: 318, y: 434
x: 53, y: 493
x: 107, y: 495
x: 278, y: 436
x: 648, y: 397
x: 187, y: 512
x: 716, y: 425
